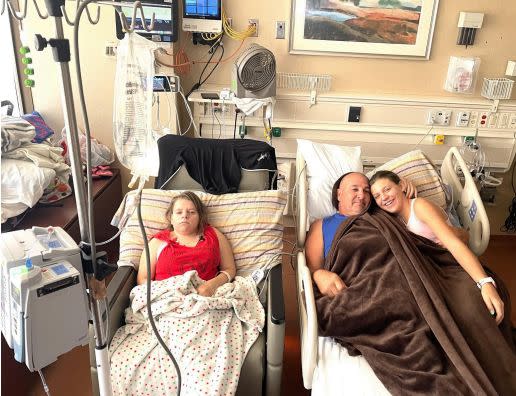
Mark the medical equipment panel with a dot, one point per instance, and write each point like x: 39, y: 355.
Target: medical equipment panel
x: 21, y: 254
x: 49, y: 314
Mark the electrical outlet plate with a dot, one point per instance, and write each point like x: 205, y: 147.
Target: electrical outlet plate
x: 473, y: 118
x: 483, y: 119
x: 439, y: 117
x: 255, y: 23
x: 493, y: 120
x: 462, y: 119
x: 503, y: 121
x: 512, y: 121
x: 280, y: 29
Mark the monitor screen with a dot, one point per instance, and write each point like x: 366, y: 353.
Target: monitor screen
x: 202, y: 16
x: 165, y: 20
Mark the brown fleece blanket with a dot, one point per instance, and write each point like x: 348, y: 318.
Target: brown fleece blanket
x: 414, y: 313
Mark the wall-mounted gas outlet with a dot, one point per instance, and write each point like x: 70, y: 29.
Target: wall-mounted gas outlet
x: 255, y: 23
x: 462, y: 119
x: 280, y: 29
x: 439, y: 117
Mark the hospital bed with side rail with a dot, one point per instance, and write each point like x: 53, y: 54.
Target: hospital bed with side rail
x: 322, y: 353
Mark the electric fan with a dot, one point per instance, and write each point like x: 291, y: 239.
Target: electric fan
x: 254, y: 73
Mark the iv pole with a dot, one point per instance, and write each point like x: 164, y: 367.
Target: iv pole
x: 95, y: 268
x: 95, y: 283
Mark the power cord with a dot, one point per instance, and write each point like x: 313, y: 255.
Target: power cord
x: 149, y: 306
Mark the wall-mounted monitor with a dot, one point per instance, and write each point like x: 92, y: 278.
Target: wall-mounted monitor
x: 202, y: 16
x: 165, y: 20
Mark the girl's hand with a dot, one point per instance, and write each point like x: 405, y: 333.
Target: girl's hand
x: 207, y: 289
x: 493, y: 301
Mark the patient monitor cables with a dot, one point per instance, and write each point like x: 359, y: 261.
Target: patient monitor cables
x: 149, y: 307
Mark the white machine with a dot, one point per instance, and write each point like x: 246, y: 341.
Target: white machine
x: 44, y: 311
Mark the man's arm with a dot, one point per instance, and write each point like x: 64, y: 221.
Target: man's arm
x: 329, y: 283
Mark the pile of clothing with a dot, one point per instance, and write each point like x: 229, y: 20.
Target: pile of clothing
x: 32, y: 169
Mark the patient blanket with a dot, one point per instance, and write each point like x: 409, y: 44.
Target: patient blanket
x: 208, y: 336
x: 414, y: 313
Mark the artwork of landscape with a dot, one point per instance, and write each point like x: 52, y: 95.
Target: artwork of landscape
x: 370, y: 21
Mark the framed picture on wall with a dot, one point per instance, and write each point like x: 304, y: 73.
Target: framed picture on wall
x: 379, y: 28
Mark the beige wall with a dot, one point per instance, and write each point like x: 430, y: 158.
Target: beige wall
x: 363, y: 76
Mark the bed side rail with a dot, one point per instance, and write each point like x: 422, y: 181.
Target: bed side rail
x: 307, y: 320
x: 466, y: 201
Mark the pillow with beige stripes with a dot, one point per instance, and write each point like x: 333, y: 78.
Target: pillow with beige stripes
x: 417, y: 167
x: 252, y: 222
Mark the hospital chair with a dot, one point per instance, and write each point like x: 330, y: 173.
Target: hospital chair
x: 465, y: 200
x: 262, y: 367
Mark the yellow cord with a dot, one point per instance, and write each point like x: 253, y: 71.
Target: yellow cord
x: 235, y: 34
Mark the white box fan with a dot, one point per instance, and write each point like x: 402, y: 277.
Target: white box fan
x: 254, y: 73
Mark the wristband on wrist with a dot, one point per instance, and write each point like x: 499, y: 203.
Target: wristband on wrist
x: 225, y: 273
x: 483, y: 281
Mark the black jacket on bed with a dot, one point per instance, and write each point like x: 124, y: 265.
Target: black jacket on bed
x: 214, y: 163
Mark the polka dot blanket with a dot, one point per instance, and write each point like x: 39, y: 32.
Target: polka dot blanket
x: 208, y: 336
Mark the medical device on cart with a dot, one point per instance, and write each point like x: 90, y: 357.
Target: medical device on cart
x: 43, y: 301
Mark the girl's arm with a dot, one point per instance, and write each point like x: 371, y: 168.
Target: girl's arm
x: 434, y: 218
x: 227, y: 264
x: 142, y: 268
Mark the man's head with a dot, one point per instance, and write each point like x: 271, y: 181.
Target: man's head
x: 351, y: 193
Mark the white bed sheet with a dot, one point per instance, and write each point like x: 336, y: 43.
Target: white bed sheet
x: 337, y: 373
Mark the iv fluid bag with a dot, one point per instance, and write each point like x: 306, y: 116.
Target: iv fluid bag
x: 135, y: 145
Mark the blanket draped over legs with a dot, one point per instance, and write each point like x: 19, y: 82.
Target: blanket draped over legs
x: 414, y: 313
x: 208, y: 336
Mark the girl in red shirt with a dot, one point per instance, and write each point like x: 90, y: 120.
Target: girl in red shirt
x: 190, y: 244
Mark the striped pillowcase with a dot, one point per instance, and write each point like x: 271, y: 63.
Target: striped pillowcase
x: 252, y: 222
x: 417, y: 167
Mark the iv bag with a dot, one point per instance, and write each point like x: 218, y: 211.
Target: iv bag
x: 135, y: 143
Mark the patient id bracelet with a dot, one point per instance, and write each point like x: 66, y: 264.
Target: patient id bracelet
x: 483, y: 281
x: 227, y: 274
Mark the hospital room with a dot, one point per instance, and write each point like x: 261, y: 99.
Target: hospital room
x: 224, y: 197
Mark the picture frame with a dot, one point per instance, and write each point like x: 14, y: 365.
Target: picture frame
x: 367, y: 28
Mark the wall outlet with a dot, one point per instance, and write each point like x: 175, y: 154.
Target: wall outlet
x: 493, y: 120
x: 473, y: 118
x: 512, y: 121
x: 503, y: 121
x: 439, y: 117
x: 482, y: 119
x: 280, y: 29
x: 462, y: 119
x: 255, y: 23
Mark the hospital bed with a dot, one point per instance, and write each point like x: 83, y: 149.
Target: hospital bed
x: 322, y: 358
x: 261, y: 370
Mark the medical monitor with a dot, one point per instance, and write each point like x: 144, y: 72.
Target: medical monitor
x: 165, y: 20
x: 202, y: 16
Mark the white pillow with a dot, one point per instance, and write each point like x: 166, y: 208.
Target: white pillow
x: 23, y: 181
x: 325, y: 163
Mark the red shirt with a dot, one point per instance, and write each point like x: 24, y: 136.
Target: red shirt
x: 176, y: 259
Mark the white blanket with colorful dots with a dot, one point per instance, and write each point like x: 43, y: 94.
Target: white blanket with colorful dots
x: 208, y: 336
